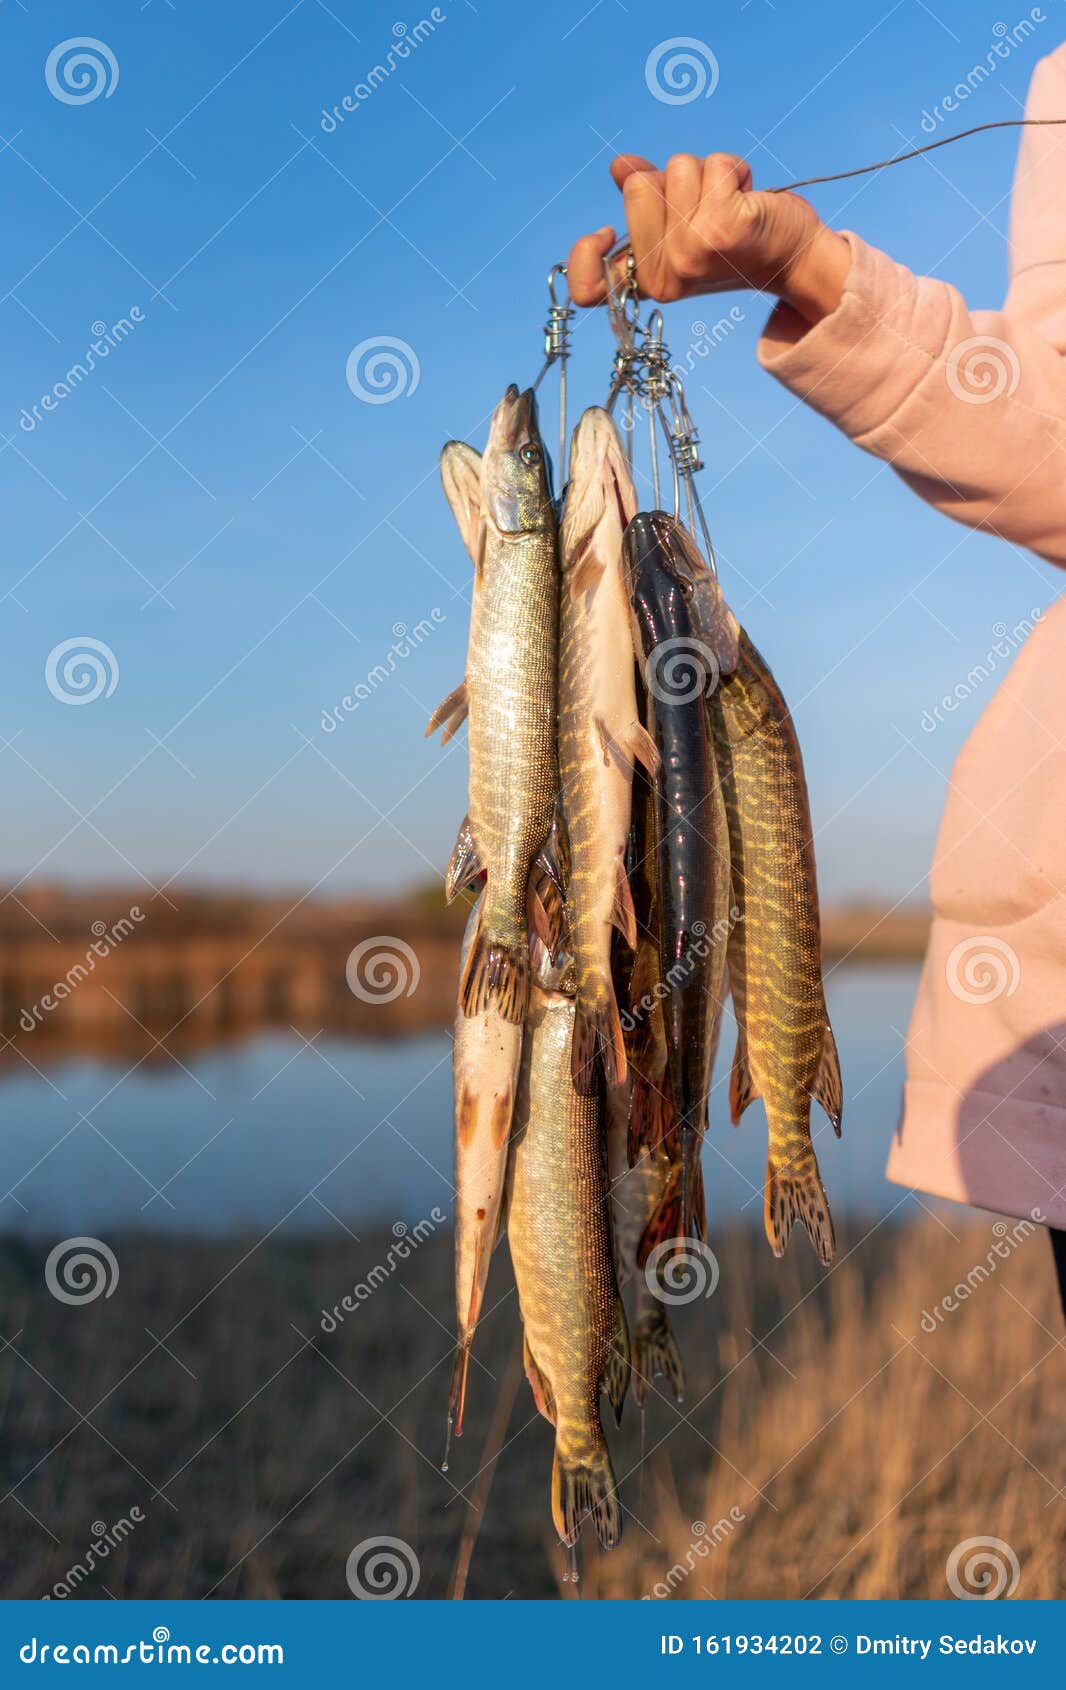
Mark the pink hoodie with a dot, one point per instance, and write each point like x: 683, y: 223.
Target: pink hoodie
x: 970, y: 409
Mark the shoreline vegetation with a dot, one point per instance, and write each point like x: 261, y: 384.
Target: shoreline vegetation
x: 114, y: 970
x: 829, y: 1445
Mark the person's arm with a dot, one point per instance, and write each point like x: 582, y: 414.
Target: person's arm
x: 970, y: 409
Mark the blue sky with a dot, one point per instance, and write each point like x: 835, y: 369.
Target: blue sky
x: 220, y: 456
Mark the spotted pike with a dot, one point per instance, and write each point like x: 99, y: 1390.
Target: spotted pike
x: 640, y: 1196
x: 503, y: 503
x: 575, y: 1331
x: 600, y: 734
x: 785, y: 1051
x: 486, y: 1057
x: 692, y: 844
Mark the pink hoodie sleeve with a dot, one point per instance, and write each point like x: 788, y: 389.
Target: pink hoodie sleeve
x: 969, y: 408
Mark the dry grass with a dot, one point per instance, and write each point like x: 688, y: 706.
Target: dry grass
x: 854, y: 1448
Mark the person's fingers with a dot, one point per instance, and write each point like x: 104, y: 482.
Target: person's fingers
x: 725, y: 174
x: 584, y: 267
x: 646, y: 221
x: 627, y: 165
x: 684, y: 182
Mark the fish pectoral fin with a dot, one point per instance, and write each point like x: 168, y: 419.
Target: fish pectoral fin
x: 538, y: 1384
x: 585, y: 1490
x: 450, y: 713
x: 742, y: 1089
x: 828, y: 1087
x: 465, y: 865
x: 642, y: 749
x: 597, y: 1032
x: 585, y: 575
x: 615, y: 1379
x: 623, y: 915
x: 460, y: 472
x: 797, y: 1194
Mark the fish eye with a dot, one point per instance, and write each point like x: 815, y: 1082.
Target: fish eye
x: 530, y: 454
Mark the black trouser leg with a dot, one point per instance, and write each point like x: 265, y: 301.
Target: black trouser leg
x: 1058, y: 1244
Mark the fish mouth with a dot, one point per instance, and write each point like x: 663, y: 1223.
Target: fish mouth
x: 655, y: 542
x: 514, y: 420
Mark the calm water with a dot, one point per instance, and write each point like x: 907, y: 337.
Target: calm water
x: 280, y: 1134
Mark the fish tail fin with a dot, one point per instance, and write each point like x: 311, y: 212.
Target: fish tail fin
x: 655, y: 1351
x: 583, y: 1490
x: 597, y: 1032
x: 496, y: 974
x: 828, y: 1087
x: 616, y: 1372
x: 795, y: 1193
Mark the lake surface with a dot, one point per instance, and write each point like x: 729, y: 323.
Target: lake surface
x: 281, y: 1134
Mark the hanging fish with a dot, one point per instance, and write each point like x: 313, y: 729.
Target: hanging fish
x: 576, y: 1342
x: 503, y: 504
x: 639, y: 1197
x: 692, y: 842
x: 600, y: 734
x: 785, y: 1051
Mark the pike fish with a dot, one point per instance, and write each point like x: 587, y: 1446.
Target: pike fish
x: 641, y: 1196
x: 576, y: 1341
x: 785, y: 1051
x: 486, y: 1059
x: 503, y: 504
x: 600, y: 734
x: 668, y: 583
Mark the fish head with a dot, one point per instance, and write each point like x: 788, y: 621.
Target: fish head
x: 599, y: 494
x: 516, y: 470
x: 673, y: 592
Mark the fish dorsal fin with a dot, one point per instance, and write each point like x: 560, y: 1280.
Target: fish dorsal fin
x: 451, y: 712
x: 828, y: 1087
x: 741, y: 1085
x: 460, y: 472
x: 616, y: 1374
